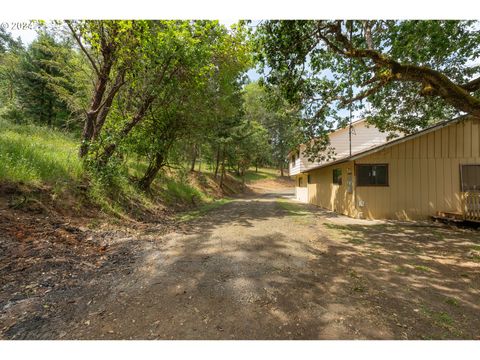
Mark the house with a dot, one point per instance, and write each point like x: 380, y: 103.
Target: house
x: 436, y: 170
x: 363, y: 136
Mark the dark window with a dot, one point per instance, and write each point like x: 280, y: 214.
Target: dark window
x: 300, y: 181
x: 309, y: 179
x: 337, y: 176
x: 470, y: 177
x: 372, y: 175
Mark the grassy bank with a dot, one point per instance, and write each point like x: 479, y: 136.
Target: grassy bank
x: 36, y: 155
x: 41, y: 157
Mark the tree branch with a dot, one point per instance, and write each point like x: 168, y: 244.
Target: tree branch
x: 433, y: 82
x: 79, y: 42
x: 472, y: 85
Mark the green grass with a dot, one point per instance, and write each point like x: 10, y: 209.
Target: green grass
x: 452, y: 302
x: 202, y: 210
x: 38, y: 155
x: 356, y: 241
x: 34, y: 155
x: 262, y: 174
x: 178, y: 190
x: 422, y: 268
x: 292, y: 208
x: 400, y: 269
x: 299, y: 214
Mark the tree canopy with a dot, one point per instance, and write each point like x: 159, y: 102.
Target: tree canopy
x: 401, y: 75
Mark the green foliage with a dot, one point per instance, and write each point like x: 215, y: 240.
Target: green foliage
x: 402, y: 75
x: 278, y: 118
x: 143, y: 94
x: 180, y: 191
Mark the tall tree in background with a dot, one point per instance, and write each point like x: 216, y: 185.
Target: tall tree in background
x: 280, y: 119
x: 11, y: 51
x: 403, y: 75
x: 38, y: 65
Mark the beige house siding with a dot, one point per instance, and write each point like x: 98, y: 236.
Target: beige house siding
x: 324, y: 193
x: 424, y: 176
x: 301, y: 192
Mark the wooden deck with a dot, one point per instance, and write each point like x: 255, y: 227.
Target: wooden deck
x: 472, y: 206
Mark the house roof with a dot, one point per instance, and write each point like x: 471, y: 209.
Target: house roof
x: 393, y: 142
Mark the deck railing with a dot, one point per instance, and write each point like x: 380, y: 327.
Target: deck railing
x: 472, y: 205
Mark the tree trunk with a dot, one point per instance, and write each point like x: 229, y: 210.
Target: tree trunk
x: 222, y: 173
x: 87, y: 134
x: 199, y: 160
x: 217, y: 161
x: 110, y: 149
x: 194, y: 158
x: 153, y: 168
x: 102, y: 115
x: 281, y: 170
x: 92, y: 113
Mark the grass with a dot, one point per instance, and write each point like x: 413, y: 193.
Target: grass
x: 422, y: 268
x: 176, y: 191
x: 262, y: 174
x: 37, y: 155
x: 298, y: 212
x: 202, y: 210
x: 440, y: 317
x: 452, y: 302
x: 356, y: 241
x: 401, y: 270
x: 292, y: 208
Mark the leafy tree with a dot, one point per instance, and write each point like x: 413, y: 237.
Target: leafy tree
x: 403, y: 75
x: 170, y: 96
x: 281, y: 121
x: 111, y: 48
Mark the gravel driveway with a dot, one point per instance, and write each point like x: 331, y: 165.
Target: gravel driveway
x: 267, y: 267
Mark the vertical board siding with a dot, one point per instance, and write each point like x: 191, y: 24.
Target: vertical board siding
x: 424, y: 176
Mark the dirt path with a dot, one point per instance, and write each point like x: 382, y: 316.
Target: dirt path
x: 266, y: 267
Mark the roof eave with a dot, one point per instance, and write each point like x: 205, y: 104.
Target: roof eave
x: 391, y: 143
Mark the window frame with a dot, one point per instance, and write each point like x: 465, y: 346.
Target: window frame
x: 341, y: 176
x: 372, y: 185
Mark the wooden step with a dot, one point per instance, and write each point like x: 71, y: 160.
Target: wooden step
x: 450, y: 215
